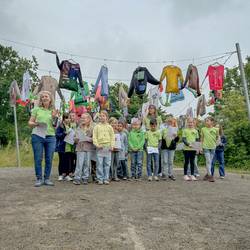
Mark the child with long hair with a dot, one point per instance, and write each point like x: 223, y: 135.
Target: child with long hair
x: 84, y: 147
x: 66, y: 156
x: 104, y: 140
x: 209, y: 137
x: 189, y: 136
x: 168, y: 146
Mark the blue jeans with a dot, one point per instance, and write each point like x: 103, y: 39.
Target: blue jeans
x: 155, y: 158
x: 167, y: 161
x: 209, y: 155
x: 82, y: 165
x: 39, y: 144
x: 136, y: 163
x: 103, y: 164
x: 219, y: 156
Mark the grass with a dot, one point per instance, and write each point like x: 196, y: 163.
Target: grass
x: 8, y: 158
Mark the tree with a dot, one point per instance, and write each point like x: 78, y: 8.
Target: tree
x: 12, y: 67
x: 231, y: 112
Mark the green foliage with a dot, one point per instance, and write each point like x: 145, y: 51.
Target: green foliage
x: 12, y: 67
x: 232, y: 114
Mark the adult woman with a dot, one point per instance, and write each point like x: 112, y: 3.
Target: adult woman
x: 152, y: 114
x: 43, y: 136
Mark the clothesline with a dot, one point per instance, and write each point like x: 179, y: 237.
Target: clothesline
x: 120, y: 60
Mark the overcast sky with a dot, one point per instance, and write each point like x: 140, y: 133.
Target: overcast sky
x: 140, y: 30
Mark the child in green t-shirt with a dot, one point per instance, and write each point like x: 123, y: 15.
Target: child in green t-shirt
x: 209, y: 137
x: 153, y: 142
x: 189, y: 136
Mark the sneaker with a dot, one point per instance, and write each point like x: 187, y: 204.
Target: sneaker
x: 124, y: 178
x: 197, y: 175
x: 38, y: 183
x: 172, y: 177
x: 116, y: 179
x: 164, y: 177
x: 85, y: 182
x: 60, y: 178
x: 76, y: 182
x: 206, y: 177
x: 99, y: 182
x: 68, y: 178
x: 106, y: 182
x: 186, y: 178
x: 222, y: 177
x: 48, y: 182
x: 211, y: 178
x: 193, y: 178
x: 156, y: 178
x: 150, y: 178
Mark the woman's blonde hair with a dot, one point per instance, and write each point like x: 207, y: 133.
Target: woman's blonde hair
x: 40, y: 104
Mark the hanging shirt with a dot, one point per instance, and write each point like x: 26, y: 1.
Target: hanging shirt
x: 26, y: 86
x: 172, y: 75
x: 70, y: 75
x: 201, y: 106
x: 14, y: 92
x: 153, y: 96
x: 215, y: 77
x: 190, y: 113
x: 141, y: 76
x: 50, y: 84
x: 102, y: 81
x: 192, y: 79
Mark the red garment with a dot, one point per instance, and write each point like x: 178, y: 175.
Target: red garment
x: 215, y: 76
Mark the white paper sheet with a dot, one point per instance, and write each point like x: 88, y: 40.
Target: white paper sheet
x: 103, y: 152
x: 118, y: 143
x: 180, y: 146
x: 82, y: 136
x: 69, y: 138
x: 152, y: 150
x: 196, y: 146
x: 40, y: 130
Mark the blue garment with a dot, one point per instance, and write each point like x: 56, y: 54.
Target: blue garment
x: 155, y: 158
x: 219, y: 156
x: 48, y: 145
x: 103, y: 164
x: 60, y: 135
x: 136, y: 164
x: 103, y: 77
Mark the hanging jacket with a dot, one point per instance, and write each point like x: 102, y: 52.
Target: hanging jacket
x: 70, y: 75
x: 215, y: 76
x: 172, y: 74
x: 122, y: 97
x: 141, y: 76
x: 102, y: 80
x: 192, y: 79
x: 50, y: 84
x: 201, y: 106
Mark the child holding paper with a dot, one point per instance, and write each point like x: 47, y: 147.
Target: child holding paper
x: 64, y: 149
x: 209, y: 138
x: 104, y: 140
x: 168, y: 146
x: 84, y: 147
x: 189, y: 136
x: 115, y: 151
x: 153, y: 143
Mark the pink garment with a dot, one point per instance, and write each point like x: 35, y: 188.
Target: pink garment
x: 215, y: 76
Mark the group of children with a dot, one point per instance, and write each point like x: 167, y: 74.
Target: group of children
x: 106, y: 145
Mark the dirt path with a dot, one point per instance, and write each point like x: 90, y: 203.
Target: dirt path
x: 125, y: 215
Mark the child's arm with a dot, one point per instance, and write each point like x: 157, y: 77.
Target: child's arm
x: 95, y: 137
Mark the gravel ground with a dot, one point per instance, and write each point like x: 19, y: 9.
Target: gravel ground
x: 124, y: 215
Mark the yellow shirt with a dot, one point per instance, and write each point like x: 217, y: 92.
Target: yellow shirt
x: 172, y: 74
x: 103, y: 135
